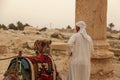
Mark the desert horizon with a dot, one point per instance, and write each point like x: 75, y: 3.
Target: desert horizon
x: 44, y: 14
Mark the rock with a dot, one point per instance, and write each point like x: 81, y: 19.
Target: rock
x: 114, y: 44
x: 16, y: 45
x: 117, y: 70
x: 31, y: 44
x: 59, y: 46
x: 109, y: 35
x: 102, y: 68
x: 28, y: 45
x: 3, y: 49
x: 17, y: 42
x: 51, y: 31
x: 101, y: 50
x: 98, y: 54
x: 116, y: 51
x: 15, y: 50
x: 43, y: 29
x: 58, y: 35
x: 30, y: 30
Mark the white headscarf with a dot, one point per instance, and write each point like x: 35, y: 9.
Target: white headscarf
x: 82, y: 30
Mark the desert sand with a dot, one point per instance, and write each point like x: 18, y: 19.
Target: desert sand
x: 12, y: 41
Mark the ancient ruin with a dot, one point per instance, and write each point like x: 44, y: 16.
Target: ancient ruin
x: 94, y: 12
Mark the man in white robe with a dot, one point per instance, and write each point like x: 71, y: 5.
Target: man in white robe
x: 80, y: 47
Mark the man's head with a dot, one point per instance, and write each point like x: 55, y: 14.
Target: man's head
x: 80, y: 25
x: 77, y: 28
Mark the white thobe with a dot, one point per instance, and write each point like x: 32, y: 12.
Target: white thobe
x: 79, y: 67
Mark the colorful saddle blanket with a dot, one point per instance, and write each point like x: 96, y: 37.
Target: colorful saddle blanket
x: 35, y: 67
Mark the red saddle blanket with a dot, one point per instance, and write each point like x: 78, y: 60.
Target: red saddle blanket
x: 44, y: 67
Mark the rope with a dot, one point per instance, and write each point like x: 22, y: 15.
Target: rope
x: 7, y: 58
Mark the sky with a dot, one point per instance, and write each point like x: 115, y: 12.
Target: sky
x: 49, y: 13
x: 113, y: 14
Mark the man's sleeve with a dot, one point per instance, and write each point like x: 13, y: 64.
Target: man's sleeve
x: 70, y: 44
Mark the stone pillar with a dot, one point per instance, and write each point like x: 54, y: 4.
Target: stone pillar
x: 94, y: 13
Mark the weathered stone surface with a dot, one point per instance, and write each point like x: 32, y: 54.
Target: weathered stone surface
x: 31, y: 44
x: 117, y: 70
x: 59, y: 46
x: 95, y: 16
x: 3, y: 49
x: 102, y: 54
x: 30, y: 30
x: 102, y: 68
x: 94, y: 13
x: 116, y: 51
x: 114, y: 43
x: 17, y: 42
x: 109, y: 35
x: 99, y: 53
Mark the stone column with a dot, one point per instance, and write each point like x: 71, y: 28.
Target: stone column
x: 94, y: 13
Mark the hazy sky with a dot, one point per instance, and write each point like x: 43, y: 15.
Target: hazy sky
x: 58, y: 13
x: 114, y: 13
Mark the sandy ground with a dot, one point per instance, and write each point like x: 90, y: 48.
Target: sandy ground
x: 60, y: 61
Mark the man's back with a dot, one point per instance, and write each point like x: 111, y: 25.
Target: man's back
x: 82, y: 48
